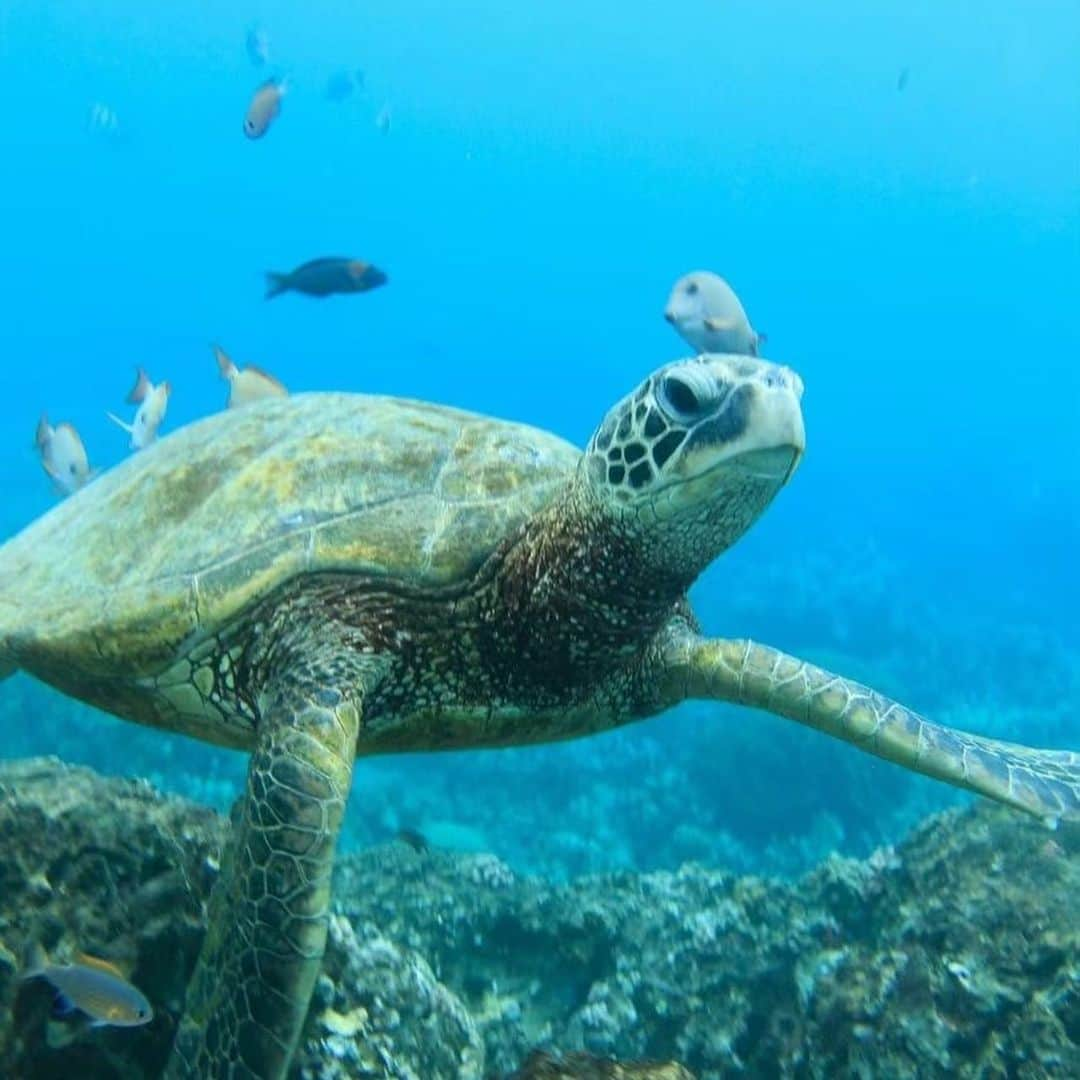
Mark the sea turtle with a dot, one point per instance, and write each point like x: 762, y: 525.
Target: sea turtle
x: 325, y: 575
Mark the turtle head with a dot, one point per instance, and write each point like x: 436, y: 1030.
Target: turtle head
x: 691, y: 458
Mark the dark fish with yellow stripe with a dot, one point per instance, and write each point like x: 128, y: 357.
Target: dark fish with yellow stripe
x: 324, y: 277
x: 92, y: 986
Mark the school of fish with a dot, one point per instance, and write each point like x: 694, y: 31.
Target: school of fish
x: 702, y: 307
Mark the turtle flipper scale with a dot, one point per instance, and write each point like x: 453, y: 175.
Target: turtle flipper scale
x: 1045, y: 783
x: 268, y: 916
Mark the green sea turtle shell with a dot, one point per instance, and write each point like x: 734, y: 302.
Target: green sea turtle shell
x: 175, y: 542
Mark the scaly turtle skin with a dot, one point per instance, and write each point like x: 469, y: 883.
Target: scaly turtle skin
x: 327, y: 575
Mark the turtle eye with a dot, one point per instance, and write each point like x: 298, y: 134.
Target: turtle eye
x: 681, y: 398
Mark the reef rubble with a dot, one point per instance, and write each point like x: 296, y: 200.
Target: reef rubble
x: 954, y: 954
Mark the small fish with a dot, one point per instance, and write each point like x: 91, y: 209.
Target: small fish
x: 707, y: 314
x: 383, y: 120
x: 102, y: 120
x: 415, y: 839
x: 247, y: 384
x: 258, y: 46
x: 902, y: 79
x: 264, y: 108
x: 339, y: 86
x: 323, y: 277
x: 152, y: 401
x: 92, y: 986
x: 63, y: 455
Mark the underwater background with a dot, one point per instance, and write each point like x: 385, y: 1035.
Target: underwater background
x: 894, y: 193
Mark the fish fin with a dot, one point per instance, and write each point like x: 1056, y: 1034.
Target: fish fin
x: 166, y: 388
x: 267, y: 376
x: 35, y: 961
x: 276, y: 284
x: 142, y: 387
x: 41, y: 434
x: 98, y: 964
x: 716, y: 325
x: 226, y: 368
x: 129, y: 428
x: 62, y: 1005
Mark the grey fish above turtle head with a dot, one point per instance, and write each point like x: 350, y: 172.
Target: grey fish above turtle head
x: 708, y: 316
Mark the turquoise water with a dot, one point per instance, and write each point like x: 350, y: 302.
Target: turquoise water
x: 913, y: 251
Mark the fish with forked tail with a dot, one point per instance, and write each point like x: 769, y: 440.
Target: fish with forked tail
x: 152, y: 401
x: 92, y: 986
x: 246, y: 384
x: 63, y: 455
x: 324, y: 277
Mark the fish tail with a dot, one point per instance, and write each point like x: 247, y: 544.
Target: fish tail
x: 35, y: 959
x: 41, y: 435
x: 142, y: 387
x: 116, y: 420
x: 276, y: 284
x: 226, y: 368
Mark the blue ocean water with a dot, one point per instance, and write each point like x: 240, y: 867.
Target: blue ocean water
x: 894, y: 193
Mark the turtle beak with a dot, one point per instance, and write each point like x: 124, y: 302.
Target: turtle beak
x: 795, y: 459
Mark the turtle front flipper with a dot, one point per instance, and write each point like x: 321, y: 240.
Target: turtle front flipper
x: 268, y: 916
x: 1042, y: 782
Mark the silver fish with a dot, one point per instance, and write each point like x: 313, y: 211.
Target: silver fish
x: 102, y: 119
x: 246, y: 384
x: 94, y: 987
x: 63, y: 456
x: 264, y: 108
x: 707, y: 314
x: 152, y: 401
x: 257, y: 45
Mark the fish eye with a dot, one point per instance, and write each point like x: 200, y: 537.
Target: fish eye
x: 692, y: 288
x: 72, y: 469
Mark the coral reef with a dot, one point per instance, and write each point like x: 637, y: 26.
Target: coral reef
x: 957, y: 953
x: 542, y: 1066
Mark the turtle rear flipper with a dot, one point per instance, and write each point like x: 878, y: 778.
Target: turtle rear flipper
x: 1045, y: 783
x: 268, y: 917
